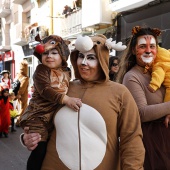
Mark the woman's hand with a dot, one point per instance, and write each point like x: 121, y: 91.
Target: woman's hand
x: 167, y: 121
x: 31, y: 139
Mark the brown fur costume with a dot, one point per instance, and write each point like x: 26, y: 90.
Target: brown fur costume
x: 22, y: 95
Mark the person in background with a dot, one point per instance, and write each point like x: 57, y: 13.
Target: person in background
x: 105, y: 134
x: 22, y: 95
x: 51, y: 81
x: 6, y: 77
x: 67, y: 9
x: 4, y: 110
x: 135, y: 73
x: 13, y: 111
x: 30, y: 92
x: 113, y: 67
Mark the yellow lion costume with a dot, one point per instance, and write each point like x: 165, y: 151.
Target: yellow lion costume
x: 161, y: 72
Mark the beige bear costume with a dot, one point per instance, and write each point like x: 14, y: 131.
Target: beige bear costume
x: 23, y: 90
x: 89, y: 139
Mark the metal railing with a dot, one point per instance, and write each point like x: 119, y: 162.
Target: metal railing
x: 72, y: 23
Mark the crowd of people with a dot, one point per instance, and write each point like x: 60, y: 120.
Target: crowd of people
x: 12, y: 103
x: 109, y: 117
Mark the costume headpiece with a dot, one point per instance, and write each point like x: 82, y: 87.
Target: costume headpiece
x: 4, y: 71
x: 137, y: 29
x: 52, y: 42
x: 86, y: 43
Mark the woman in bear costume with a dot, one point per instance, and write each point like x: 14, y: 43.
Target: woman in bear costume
x: 105, y: 134
x: 22, y: 95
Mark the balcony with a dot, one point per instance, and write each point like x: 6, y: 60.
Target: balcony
x: 5, y: 8
x: 19, y: 35
x: 71, y: 24
x: 121, y: 5
x: 5, y: 48
x: 99, y: 18
x: 27, y: 5
x: 19, y: 2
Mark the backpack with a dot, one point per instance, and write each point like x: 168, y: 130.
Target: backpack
x: 15, y: 86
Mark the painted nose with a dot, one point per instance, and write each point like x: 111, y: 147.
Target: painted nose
x: 148, y: 50
x: 148, y: 53
x: 84, y: 61
x: 49, y: 55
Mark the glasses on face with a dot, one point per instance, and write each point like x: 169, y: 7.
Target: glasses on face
x: 114, y: 64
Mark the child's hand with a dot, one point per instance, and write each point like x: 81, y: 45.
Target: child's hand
x: 72, y: 102
x: 151, y: 89
x: 167, y: 121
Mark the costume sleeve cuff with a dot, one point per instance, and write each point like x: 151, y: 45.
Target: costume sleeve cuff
x: 61, y: 100
x: 21, y: 140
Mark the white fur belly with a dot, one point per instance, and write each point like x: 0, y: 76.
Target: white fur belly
x: 80, y: 141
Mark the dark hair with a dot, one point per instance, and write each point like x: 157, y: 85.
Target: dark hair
x: 128, y: 59
x: 112, y: 76
x: 112, y: 59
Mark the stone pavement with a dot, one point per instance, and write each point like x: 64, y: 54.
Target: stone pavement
x: 13, y: 156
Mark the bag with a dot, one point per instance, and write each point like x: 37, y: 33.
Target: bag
x: 15, y: 86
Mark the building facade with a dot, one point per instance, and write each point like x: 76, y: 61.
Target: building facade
x: 22, y: 20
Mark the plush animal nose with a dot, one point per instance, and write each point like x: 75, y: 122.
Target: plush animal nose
x: 40, y: 49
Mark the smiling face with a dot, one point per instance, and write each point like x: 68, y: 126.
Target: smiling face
x: 52, y: 59
x: 145, y: 50
x: 88, y: 66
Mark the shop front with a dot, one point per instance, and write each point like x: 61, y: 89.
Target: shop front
x: 155, y: 15
x: 7, y: 62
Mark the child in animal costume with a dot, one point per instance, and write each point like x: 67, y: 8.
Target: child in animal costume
x: 51, y: 81
x: 161, y: 72
x: 22, y: 95
x: 6, y: 77
x: 4, y: 110
x: 13, y: 112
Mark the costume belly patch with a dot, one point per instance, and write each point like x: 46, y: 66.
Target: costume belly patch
x: 81, y: 137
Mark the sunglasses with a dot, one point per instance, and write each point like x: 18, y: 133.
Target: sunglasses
x: 114, y: 64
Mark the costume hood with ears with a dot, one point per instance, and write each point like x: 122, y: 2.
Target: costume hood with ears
x: 101, y: 46
x: 24, y: 67
x: 52, y: 42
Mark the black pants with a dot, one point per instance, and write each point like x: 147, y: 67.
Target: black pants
x: 37, y: 156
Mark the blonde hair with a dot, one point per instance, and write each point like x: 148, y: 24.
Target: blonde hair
x: 11, y: 93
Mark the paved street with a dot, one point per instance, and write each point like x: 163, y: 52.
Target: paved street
x: 13, y: 155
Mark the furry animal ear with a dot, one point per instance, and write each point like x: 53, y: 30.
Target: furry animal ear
x: 83, y: 44
x: 37, y: 38
x: 67, y: 42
